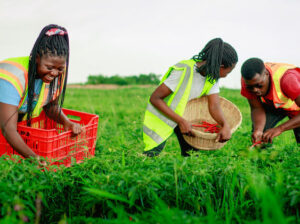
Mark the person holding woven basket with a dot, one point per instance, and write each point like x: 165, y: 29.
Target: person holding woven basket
x: 186, y: 80
x: 31, y: 84
x: 273, y: 93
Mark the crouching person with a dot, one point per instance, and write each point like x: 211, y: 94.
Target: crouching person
x: 273, y: 93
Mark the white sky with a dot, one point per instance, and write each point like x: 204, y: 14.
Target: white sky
x: 129, y: 37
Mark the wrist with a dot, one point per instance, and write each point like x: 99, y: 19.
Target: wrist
x: 281, y: 128
x: 33, y: 157
x: 66, y: 122
x: 225, y: 125
x: 180, y: 120
x: 257, y: 131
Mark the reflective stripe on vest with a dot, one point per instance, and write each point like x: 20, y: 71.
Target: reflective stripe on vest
x: 39, y: 105
x: 157, y: 127
x: 19, y: 66
x: 14, y: 70
x: 14, y: 75
x: 43, y: 97
x: 279, y: 99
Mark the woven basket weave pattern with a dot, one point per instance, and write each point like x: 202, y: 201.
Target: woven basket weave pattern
x: 197, y: 111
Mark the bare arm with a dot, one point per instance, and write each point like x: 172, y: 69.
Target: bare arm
x: 157, y: 100
x: 258, y: 117
x: 8, y: 122
x: 293, y: 122
x: 217, y: 114
x: 288, y: 125
x: 54, y: 112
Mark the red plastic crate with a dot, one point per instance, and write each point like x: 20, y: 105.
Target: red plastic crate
x: 48, y: 139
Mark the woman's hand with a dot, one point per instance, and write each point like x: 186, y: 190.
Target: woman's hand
x: 74, y: 127
x: 186, y: 128
x: 55, y: 113
x: 42, y: 163
x: 217, y: 114
x: 224, y: 134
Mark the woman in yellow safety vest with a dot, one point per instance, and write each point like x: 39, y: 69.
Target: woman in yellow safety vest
x: 31, y: 84
x: 186, y: 80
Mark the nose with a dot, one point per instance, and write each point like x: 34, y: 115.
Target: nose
x: 255, y: 90
x: 54, y: 72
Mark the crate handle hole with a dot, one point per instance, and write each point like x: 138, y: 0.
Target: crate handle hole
x: 75, y: 118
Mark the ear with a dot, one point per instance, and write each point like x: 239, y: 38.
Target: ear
x: 222, y: 67
x: 266, y: 72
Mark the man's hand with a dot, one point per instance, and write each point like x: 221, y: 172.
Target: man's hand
x: 257, y: 136
x: 270, y: 134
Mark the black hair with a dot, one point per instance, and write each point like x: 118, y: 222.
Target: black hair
x: 216, y: 53
x: 54, y: 45
x: 251, y: 67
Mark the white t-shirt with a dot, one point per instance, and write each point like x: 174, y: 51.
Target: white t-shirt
x: 197, y: 86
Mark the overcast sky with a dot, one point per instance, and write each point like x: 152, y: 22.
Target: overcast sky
x: 129, y: 37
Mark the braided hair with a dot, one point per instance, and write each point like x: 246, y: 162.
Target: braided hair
x: 216, y: 53
x: 50, y: 45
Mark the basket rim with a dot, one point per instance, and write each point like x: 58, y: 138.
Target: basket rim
x: 212, y: 136
x: 233, y: 129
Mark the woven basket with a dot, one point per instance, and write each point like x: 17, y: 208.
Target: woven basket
x: 196, y: 112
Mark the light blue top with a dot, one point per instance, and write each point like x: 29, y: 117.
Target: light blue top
x: 9, y: 94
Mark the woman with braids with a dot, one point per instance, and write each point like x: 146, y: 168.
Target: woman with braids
x: 31, y: 84
x: 184, y: 81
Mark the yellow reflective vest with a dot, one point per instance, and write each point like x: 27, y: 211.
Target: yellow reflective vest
x: 15, y: 71
x: 277, y: 70
x: 157, y: 127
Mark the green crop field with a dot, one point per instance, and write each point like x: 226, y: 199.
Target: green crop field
x: 120, y: 185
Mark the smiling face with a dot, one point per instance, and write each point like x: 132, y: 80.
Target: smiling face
x: 50, y: 67
x: 259, y: 84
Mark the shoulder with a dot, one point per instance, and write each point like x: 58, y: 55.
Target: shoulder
x: 290, y: 83
x: 23, y: 61
x: 15, y: 71
x: 8, y: 93
x: 189, y: 62
x: 215, y: 88
x: 290, y: 76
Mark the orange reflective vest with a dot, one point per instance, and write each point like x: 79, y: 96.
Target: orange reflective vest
x: 15, y: 71
x: 280, y: 100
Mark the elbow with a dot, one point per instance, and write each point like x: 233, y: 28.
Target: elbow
x: 7, y: 130
x: 4, y: 130
x: 153, y: 99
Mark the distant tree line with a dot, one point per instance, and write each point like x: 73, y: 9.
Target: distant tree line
x: 142, y: 79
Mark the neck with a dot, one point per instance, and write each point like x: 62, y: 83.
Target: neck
x: 200, y: 67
